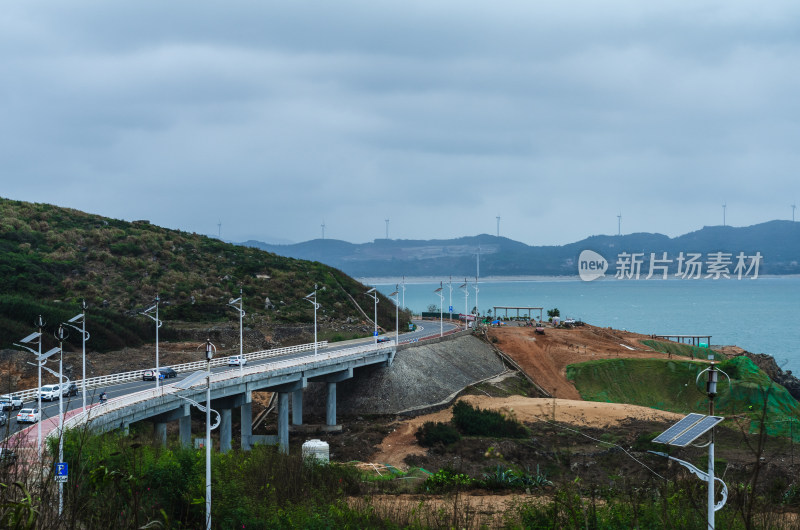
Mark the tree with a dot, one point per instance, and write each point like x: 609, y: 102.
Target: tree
x: 433, y: 308
x: 553, y: 312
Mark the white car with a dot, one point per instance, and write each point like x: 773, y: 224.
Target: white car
x: 237, y: 360
x: 29, y: 416
x: 49, y: 392
x: 10, y: 402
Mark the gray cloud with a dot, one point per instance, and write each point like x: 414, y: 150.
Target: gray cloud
x: 439, y: 116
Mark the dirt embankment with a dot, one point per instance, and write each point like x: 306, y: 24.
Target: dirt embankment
x: 545, y: 357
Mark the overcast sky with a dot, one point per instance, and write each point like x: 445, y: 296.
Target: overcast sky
x: 274, y: 117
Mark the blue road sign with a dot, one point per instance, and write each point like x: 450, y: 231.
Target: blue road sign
x: 451, y: 309
x: 62, y: 471
x: 375, y: 333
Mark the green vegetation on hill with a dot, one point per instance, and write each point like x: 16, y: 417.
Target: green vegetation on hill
x: 670, y: 385
x: 52, y: 257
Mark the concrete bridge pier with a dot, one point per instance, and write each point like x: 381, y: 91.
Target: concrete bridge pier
x: 283, y: 411
x: 225, y: 430
x: 185, y: 428
x: 330, y: 380
x: 297, y: 407
x: 246, y: 412
x: 160, y: 432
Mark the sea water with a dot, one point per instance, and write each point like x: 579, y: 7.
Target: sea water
x: 760, y: 315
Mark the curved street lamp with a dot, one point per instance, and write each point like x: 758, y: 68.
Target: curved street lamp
x: 396, y: 295
x: 312, y: 297
x: 40, y: 360
x: 441, y: 303
x: 159, y: 323
x: 466, y: 305
x: 374, y: 294
x: 81, y: 319
x: 240, y: 309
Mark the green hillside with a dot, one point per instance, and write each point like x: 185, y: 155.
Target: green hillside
x: 52, y: 257
x: 670, y: 385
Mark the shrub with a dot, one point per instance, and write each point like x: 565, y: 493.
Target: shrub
x: 474, y: 421
x: 446, y: 480
x: 434, y: 433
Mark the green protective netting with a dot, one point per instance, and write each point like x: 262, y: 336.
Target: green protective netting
x: 670, y: 385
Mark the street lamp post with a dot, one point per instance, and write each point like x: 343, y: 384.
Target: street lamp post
x: 210, y: 349
x: 396, y: 295
x: 312, y: 297
x: 403, y: 286
x: 61, y: 336
x: 37, y: 336
x: 240, y: 309
x: 85, y: 336
x: 477, y: 307
x: 466, y: 305
x: 450, y: 286
x: 159, y: 323
x: 441, y: 303
x: 374, y: 294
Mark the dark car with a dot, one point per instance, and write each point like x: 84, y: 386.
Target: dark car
x: 164, y: 372
x: 384, y: 339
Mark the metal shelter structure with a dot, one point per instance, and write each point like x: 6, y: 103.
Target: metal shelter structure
x: 694, y: 340
x: 506, y: 308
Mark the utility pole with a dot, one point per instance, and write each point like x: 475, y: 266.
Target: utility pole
x: 619, y: 224
x: 387, y: 229
x: 219, y: 229
x: 724, y: 207
x: 498, y: 226
x: 793, y: 207
x: 323, y: 229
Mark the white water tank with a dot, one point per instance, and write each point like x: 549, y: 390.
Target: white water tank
x: 316, y: 449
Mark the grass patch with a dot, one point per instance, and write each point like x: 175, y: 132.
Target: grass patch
x: 682, y: 350
x: 670, y: 385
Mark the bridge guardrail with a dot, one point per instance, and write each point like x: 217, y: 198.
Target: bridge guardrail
x: 123, y: 377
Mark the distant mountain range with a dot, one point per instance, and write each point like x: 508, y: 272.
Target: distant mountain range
x: 778, y: 242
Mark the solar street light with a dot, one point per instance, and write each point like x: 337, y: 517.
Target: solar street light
x: 159, y: 323
x: 441, y: 303
x: 374, y: 294
x: 312, y: 297
x: 36, y: 336
x: 240, y: 309
x: 396, y: 295
x: 466, y: 305
x: 81, y: 318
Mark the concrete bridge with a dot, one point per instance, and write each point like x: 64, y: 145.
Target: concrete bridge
x: 233, y: 389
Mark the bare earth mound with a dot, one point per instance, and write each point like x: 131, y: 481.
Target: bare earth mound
x: 401, y: 442
x: 545, y: 357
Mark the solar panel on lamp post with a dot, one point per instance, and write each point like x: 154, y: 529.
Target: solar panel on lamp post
x: 37, y: 336
x: 159, y: 323
x: 85, y: 336
x: 374, y: 294
x: 240, y: 309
